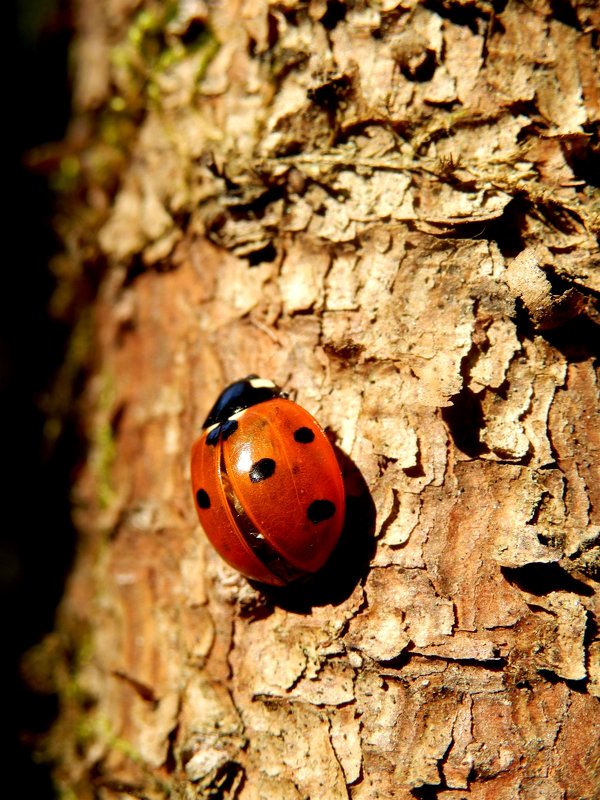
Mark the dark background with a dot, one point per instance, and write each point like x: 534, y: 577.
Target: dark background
x: 36, y: 537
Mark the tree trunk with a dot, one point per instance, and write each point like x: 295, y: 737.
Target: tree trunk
x: 389, y: 209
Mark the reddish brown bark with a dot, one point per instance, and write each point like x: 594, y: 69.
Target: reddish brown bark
x: 389, y: 209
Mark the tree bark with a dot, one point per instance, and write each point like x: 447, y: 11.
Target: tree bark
x: 389, y: 209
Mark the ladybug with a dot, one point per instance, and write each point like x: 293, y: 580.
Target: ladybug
x: 267, y: 485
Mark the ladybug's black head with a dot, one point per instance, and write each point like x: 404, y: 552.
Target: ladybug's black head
x: 240, y: 395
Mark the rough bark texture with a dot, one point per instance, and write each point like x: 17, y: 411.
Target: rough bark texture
x: 386, y: 207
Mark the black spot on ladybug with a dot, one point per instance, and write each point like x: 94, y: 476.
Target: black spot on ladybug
x: 304, y: 435
x: 262, y: 470
x: 227, y: 428
x: 202, y: 499
x: 213, y: 436
x: 320, y: 510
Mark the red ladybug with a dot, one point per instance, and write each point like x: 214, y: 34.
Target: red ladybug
x: 266, y: 482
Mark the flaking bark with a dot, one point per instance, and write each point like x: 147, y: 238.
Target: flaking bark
x: 386, y: 208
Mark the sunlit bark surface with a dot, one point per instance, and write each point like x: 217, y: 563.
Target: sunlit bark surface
x: 389, y: 209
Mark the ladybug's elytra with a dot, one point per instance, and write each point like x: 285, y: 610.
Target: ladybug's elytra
x: 267, y: 485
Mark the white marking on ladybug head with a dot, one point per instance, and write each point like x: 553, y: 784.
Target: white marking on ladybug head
x: 262, y: 383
